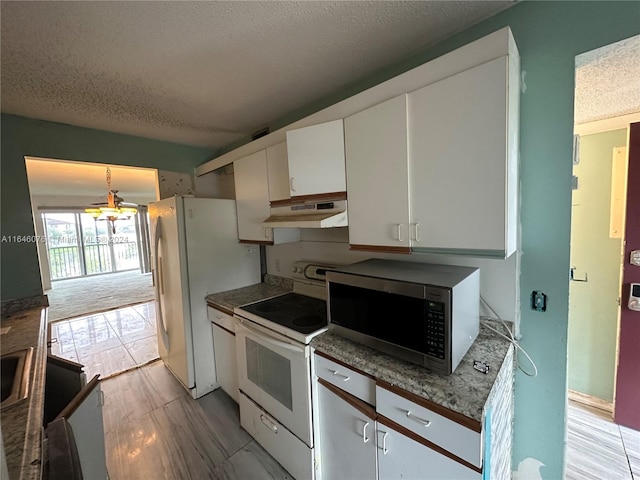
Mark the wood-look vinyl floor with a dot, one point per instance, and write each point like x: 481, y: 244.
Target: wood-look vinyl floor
x: 155, y: 430
x: 599, y: 449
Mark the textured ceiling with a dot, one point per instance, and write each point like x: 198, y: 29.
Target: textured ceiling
x: 205, y: 73
x: 608, y: 82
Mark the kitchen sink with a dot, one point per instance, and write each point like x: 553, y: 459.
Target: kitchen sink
x: 14, y: 376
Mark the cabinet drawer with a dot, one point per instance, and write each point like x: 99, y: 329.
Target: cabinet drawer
x: 223, y: 319
x: 444, y: 432
x: 284, y: 446
x: 348, y: 380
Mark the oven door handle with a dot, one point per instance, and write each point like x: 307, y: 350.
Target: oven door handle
x: 267, y: 337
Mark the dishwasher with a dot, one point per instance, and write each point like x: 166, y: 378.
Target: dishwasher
x: 224, y: 344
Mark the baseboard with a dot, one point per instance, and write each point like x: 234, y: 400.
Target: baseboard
x: 591, y: 401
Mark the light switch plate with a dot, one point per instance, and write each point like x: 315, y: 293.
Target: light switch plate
x: 634, y: 258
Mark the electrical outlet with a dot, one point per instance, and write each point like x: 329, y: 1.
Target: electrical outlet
x: 538, y: 301
x: 277, y: 264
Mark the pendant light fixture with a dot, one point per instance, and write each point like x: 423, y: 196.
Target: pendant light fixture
x: 114, y: 209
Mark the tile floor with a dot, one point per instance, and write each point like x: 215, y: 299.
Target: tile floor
x: 110, y: 342
x: 599, y: 449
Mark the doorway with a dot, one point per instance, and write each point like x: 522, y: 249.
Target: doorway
x: 90, y: 265
x: 606, y: 103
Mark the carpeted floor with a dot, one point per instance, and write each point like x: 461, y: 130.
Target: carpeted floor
x: 98, y: 293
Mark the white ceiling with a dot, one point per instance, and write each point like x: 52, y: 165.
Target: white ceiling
x: 49, y: 177
x: 205, y: 73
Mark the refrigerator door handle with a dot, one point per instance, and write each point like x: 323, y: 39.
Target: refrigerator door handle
x: 160, y: 285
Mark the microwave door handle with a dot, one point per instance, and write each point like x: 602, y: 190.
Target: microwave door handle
x: 266, y: 337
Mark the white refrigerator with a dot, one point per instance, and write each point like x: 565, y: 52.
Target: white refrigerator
x: 195, y: 252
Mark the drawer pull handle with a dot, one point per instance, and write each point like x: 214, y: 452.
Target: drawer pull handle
x: 365, y: 439
x: 271, y: 426
x: 345, y: 378
x: 385, y: 450
x: 425, y: 423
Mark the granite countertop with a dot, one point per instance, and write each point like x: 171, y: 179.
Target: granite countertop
x: 227, y: 301
x: 465, y: 391
x: 22, y: 422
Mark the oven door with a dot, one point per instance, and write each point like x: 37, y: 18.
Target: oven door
x: 275, y: 372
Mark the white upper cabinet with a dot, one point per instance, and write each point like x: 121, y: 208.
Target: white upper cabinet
x: 252, y: 197
x: 378, y: 177
x: 316, y: 159
x: 251, y: 177
x: 436, y: 170
x: 278, y: 172
x: 463, y: 162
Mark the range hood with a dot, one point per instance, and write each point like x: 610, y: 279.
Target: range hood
x: 309, y: 215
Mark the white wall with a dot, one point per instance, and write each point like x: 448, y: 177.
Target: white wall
x: 498, y: 278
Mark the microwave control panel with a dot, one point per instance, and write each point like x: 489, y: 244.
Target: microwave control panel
x: 435, y: 329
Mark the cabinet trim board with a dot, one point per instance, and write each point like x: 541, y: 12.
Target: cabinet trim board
x: 439, y: 409
x: 346, y: 365
x: 319, y: 197
x: 501, y: 254
x: 220, y: 307
x: 257, y: 242
x: 360, y: 405
x: 380, y: 249
x: 417, y: 438
x: 65, y: 363
x: 281, y: 203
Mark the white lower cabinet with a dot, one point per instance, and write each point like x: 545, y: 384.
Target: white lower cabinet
x: 84, y: 414
x: 224, y: 344
x: 458, y: 439
x: 387, y: 436
x: 224, y: 350
x: 347, y: 437
x: 402, y: 457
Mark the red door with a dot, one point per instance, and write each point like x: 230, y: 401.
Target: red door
x: 627, y: 400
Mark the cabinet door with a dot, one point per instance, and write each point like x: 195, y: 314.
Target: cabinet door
x: 84, y: 414
x: 378, y: 176
x: 278, y: 172
x: 458, y: 161
x: 224, y: 344
x: 316, y: 159
x: 347, y: 438
x: 402, y: 457
x: 252, y: 197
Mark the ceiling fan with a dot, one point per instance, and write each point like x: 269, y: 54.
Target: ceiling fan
x: 113, y: 209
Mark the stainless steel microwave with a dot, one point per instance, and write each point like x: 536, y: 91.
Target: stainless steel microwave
x: 425, y: 314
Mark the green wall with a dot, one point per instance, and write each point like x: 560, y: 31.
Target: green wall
x: 593, y: 305
x: 27, y: 137
x: 549, y: 35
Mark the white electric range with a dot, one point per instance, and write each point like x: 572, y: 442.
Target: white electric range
x: 274, y: 367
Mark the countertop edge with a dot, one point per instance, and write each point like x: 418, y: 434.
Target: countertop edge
x: 32, y: 455
x: 474, y: 410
